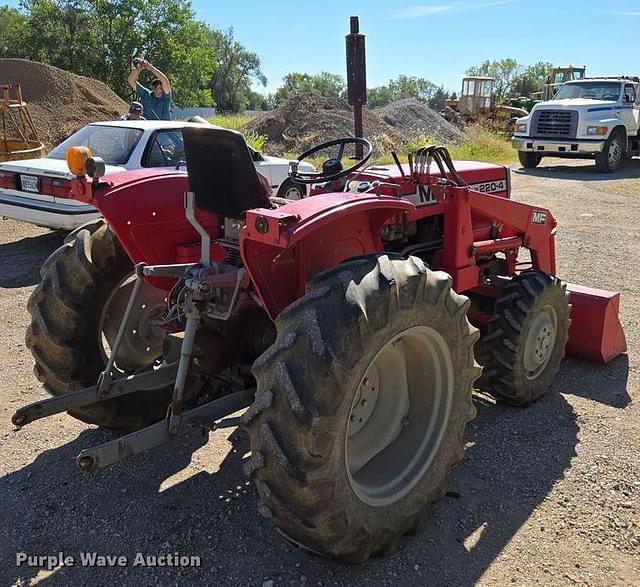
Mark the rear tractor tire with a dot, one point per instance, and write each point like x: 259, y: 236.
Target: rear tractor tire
x: 361, y: 406
x: 76, y: 308
x: 525, y: 340
x: 529, y: 160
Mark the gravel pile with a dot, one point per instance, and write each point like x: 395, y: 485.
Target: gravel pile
x: 60, y: 102
x: 308, y: 119
x: 411, y: 118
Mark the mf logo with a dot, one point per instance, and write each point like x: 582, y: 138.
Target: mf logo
x: 539, y: 217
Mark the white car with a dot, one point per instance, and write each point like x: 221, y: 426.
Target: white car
x: 37, y: 190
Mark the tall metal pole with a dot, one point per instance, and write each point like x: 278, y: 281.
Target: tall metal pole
x: 356, y: 77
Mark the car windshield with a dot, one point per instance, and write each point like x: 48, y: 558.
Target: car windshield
x: 589, y: 91
x: 114, y: 144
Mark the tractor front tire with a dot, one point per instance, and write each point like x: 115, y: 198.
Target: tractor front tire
x: 64, y: 336
x: 361, y: 406
x: 529, y: 160
x: 525, y: 340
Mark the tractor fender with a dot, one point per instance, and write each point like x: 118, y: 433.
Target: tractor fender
x: 283, y: 248
x: 145, y: 209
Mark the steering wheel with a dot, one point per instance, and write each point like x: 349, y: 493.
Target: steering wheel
x: 331, y: 168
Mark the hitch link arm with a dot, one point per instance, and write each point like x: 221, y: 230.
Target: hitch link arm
x: 152, y: 379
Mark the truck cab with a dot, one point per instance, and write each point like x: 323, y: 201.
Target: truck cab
x: 591, y: 118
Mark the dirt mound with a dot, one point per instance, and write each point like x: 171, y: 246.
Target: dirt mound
x: 411, y: 118
x: 308, y: 119
x: 60, y: 102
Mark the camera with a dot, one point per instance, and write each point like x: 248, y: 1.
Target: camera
x: 137, y: 63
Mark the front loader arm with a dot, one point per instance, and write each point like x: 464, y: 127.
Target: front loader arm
x: 523, y: 226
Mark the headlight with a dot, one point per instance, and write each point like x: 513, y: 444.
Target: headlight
x: 521, y: 128
x: 597, y: 130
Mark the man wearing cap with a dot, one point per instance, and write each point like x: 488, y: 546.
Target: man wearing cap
x: 156, y: 101
x: 135, y: 112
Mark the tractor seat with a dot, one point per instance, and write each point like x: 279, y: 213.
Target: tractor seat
x: 221, y: 172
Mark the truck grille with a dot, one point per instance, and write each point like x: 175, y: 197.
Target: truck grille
x: 555, y: 123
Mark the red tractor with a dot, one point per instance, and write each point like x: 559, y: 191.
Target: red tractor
x: 337, y: 321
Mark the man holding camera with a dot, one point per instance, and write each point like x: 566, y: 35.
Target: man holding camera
x: 156, y: 101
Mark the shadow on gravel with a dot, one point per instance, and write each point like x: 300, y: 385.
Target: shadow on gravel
x: 630, y: 169
x: 605, y: 384
x: 514, y: 457
x: 21, y: 260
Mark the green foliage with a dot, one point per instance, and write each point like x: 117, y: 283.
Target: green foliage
x: 235, y: 68
x: 13, y: 32
x: 532, y: 78
x: 407, y: 87
x: 330, y: 85
x: 100, y: 38
x: 234, y: 122
x: 513, y: 79
x: 255, y: 140
x: 505, y: 71
x: 480, y: 145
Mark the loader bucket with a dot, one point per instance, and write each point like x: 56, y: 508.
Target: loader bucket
x: 595, y: 332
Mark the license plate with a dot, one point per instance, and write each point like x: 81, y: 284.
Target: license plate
x: 29, y: 183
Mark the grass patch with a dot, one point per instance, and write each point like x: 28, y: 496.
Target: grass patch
x: 236, y: 122
x: 232, y: 121
x: 481, y: 145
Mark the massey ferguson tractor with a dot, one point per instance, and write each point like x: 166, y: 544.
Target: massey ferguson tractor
x: 342, y: 330
x: 337, y: 322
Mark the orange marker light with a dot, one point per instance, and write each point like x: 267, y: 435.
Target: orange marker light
x: 76, y: 156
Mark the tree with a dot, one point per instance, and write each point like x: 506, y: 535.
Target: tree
x: 505, y: 71
x: 532, y: 78
x: 439, y: 99
x: 162, y: 31
x: 235, y: 68
x: 13, y: 33
x: 330, y: 85
x: 100, y: 38
x: 403, y: 87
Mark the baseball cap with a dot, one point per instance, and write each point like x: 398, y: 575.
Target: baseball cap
x: 136, y: 107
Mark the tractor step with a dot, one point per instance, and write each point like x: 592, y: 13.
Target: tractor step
x: 201, y: 418
x: 152, y: 379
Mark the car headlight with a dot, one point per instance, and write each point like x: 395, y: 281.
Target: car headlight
x: 521, y: 128
x: 597, y: 130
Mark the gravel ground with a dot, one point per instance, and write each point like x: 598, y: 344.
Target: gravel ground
x: 545, y: 496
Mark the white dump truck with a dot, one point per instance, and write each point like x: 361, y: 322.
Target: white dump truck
x: 591, y: 118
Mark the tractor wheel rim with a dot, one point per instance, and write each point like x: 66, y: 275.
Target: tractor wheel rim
x: 142, y: 342
x: 399, y: 415
x: 540, y: 342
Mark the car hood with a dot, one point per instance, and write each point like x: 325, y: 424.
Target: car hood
x: 285, y: 162
x: 573, y: 103
x: 46, y: 166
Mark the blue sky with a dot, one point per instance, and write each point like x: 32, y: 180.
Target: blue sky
x: 437, y: 39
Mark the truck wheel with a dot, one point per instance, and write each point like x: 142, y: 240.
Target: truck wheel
x: 75, y: 314
x: 610, y: 159
x: 361, y: 406
x: 529, y: 160
x: 292, y: 190
x: 525, y: 339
